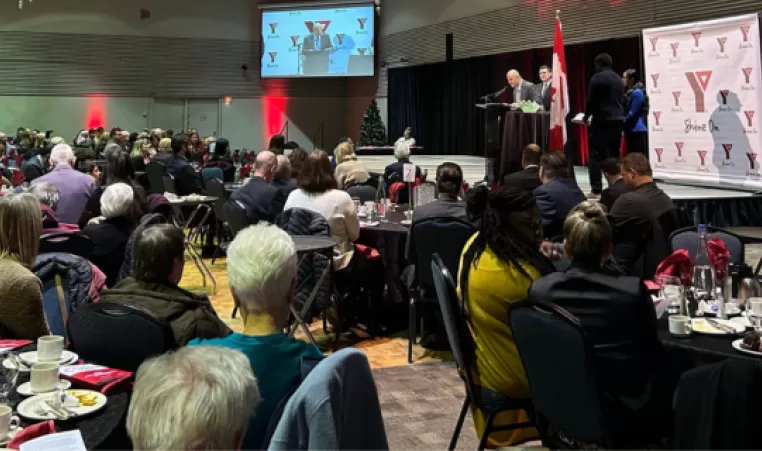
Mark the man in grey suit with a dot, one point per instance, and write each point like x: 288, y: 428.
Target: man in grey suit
x: 522, y: 89
x: 317, y: 40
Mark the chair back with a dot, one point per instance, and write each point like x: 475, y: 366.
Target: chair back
x: 551, y: 342
x: 365, y: 193
x: 169, y: 184
x: 445, y: 236
x: 235, y: 213
x: 425, y: 193
x: 456, y: 325
x: 211, y: 173
x: 155, y: 172
x: 215, y: 187
x: 68, y: 243
x: 687, y: 238
x: 56, y: 302
x: 118, y: 335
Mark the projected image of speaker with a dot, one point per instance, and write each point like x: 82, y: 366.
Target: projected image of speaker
x: 324, y: 40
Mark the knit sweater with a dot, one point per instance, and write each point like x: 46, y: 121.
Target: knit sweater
x: 21, y: 313
x: 350, y: 172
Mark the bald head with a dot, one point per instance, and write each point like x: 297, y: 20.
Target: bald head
x: 513, y: 77
x: 265, y: 164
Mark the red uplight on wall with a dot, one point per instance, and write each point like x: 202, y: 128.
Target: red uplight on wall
x: 96, y: 111
x: 274, y: 113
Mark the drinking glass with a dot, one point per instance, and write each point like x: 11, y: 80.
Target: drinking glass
x: 8, y: 377
x: 673, y: 292
x: 755, y: 314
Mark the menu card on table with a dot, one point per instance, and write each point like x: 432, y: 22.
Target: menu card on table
x: 95, y: 377
x: 9, y: 345
x: 62, y: 441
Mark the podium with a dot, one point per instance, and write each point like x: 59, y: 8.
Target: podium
x: 315, y: 62
x: 521, y: 129
x: 492, y: 149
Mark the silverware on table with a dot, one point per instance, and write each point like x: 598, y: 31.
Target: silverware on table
x: 722, y: 327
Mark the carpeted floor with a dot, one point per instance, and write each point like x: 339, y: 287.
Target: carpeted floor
x: 420, y: 404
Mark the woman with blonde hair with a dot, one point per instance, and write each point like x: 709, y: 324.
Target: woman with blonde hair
x: 21, y: 313
x: 348, y: 170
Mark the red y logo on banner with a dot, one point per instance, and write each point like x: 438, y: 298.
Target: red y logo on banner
x: 749, y: 116
x: 657, y: 116
x: 745, y: 31
x: 272, y: 56
x: 747, y: 73
x: 722, y: 42
x: 674, y: 46
x: 699, y: 81
x: 676, y: 95
x: 702, y: 155
x: 659, y: 151
x: 655, y: 78
x: 653, y: 43
x: 273, y: 26
x: 679, y: 147
x: 696, y: 37
x: 295, y: 40
x: 727, y: 148
x: 752, y: 159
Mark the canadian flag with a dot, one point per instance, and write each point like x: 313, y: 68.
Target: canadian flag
x: 559, y: 103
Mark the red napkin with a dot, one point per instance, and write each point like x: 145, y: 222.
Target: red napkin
x: 13, y: 344
x: 678, y: 264
x: 718, y: 257
x: 31, y: 433
x: 369, y: 252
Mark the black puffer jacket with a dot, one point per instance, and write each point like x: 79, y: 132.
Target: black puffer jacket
x: 78, y: 272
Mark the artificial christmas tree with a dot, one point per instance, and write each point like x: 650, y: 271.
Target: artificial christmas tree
x: 372, y: 131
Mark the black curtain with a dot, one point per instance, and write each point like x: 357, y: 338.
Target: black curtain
x: 437, y: 100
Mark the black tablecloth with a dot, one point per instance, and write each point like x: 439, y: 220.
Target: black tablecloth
x: 390, y: 239
x: 104, y: 429
x: 519, y: 130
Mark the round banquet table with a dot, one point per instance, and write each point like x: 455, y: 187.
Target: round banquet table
x: 389, y: 237
x: 106, y: 426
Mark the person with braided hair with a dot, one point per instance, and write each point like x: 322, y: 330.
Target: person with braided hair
x: 497, y: 266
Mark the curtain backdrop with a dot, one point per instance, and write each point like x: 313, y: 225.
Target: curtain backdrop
x: 437, y: 100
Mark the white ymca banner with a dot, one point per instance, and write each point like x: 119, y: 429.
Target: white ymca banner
x: 705, y: 87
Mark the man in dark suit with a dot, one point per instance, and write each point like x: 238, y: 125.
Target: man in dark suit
x: 612, y: 170
x: 528, y: 179
x: 604, y: 104
x: 557, y: 195
x: 317, y: 40
x: 544, y: 88
x: 522, y: 89
x: 261, y: 200
x: 187, y: 181
x: 617, y: 315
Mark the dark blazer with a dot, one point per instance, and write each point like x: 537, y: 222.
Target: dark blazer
x: 187, y: 181
x: 544, y: 97
x: 527, y: 179
x: 285, y: 185
x: 162, y: 157
x: 604, y: 97
x: 110, y: 238
x: 617, y: 315
x: 556, y: 199
x: 612, y: 193
x: 309, y: 42
x: 262, y: 201
x: 528, y: 92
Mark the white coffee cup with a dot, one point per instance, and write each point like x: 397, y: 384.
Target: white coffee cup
x: 44, y: 377
x: 680, y: 325
x: 49, y: 348
x: 7, y: 419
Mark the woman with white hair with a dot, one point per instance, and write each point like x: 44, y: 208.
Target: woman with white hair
x: 112, y: 230
x: 192, y: 398
x: 394, y: 171
x: 262, y: 268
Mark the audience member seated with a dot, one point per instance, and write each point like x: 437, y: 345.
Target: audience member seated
x: 262, y: 267
x: 47, y: 195
x: 617, y: 315
x: 92, y: 169
x: 612, y: 170
x: 187, y: 181
x: 557, y: 195
x: 393, y: 172
x: 296, y: 158
x: 111, y: 233
x: 35, y: 164
x: 74, y: 188
x: 497, y: 267
x: 158, y: 261
x: 636, y: 212
x: 21, y: 313
x: 165, y: 151
x: 282, y: 179
x: 192, y: 398
x: 448, y: 205
x: 348, y: 170
x: 262, y: 201
x: 118, y: 169
x: 528, y: 178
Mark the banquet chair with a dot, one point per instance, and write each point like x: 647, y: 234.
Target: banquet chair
x: 687, y: 238
x: 68, y: 243
x: 215, y: 187
x: 551, y: 342
x: 169, y: 184
x: 211, y: 173
x: 365, y: 193
x: 463, y: 350
x: 118, y: 335
x: 445, y: 236
x: 155, y: 173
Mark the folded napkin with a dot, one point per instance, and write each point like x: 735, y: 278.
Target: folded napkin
x: 718, y: 257
x: 678, y: 264
x: 369, y: 252
x: 97, y: 377
x: 8, y: 345
x: 31, y: 433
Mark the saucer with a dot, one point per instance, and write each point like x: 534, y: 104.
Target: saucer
x: 9, y: 436
x: 67, y: 357
x: 25, y: 389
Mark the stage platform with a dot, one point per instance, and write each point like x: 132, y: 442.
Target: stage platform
x: 721, y: 207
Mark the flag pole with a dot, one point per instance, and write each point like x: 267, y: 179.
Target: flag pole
x: 558, y: 14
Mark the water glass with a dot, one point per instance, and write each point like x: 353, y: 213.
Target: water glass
x: 755, y: 314
x: 673, y: 292
x: 8, y: 377
x: 381, y: 209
